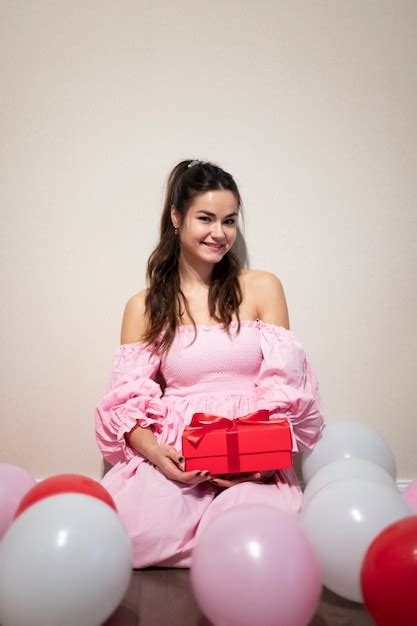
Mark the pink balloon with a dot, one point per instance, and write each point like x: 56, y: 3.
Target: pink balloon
x: 410, y: 495
x: 15, y: 482
x: 254, y: 565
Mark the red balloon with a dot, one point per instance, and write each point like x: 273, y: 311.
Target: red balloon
x: 64, y: 483
x: 389, y: 574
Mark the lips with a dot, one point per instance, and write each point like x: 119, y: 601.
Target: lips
x: 213, y: 246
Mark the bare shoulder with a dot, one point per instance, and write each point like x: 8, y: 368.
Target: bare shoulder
x: 260, y: 279
x: 268, y: 291
x: 134, y: 322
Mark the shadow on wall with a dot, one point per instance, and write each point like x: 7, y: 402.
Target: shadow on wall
x: 240, y: 249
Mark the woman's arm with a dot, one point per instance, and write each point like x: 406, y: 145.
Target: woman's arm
x: 133, y: 327
x: 134, y: 321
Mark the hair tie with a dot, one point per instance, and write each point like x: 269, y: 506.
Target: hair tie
x: 195, y: 162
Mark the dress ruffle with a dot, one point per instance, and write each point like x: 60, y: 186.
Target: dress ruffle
x: 288, y: 386
x: 132, y: 398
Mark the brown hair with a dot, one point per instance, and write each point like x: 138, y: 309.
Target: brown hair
x: 164, y: 297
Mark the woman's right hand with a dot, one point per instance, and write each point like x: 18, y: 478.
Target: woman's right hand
x: 170, y: 462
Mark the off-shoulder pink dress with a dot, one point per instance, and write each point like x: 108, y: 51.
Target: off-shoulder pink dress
x: 262, y: 367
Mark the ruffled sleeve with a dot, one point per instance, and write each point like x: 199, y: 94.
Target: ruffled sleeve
x: 132, y: 398
x: 288, y: 386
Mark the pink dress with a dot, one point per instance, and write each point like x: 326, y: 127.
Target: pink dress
x: 262, y: 367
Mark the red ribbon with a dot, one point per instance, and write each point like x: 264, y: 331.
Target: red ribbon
x: 203, y: 423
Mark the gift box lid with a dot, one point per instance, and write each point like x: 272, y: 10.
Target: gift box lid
x: 273, y: 436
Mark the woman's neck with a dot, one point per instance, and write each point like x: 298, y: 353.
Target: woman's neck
x: 194, y: 276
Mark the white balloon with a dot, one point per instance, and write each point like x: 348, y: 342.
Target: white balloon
x: 347, y: 439
x: 347, y: 468
x: 65, y: 560
x: 341, y: 520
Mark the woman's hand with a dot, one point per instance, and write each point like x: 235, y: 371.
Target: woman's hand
x: 228, y: 480
x: 171, y: 463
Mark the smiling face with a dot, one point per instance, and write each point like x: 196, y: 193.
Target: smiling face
x: 209, y: 228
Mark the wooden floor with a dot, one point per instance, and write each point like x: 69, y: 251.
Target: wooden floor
x: 163, y: 597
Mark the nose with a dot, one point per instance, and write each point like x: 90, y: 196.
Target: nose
x: 217, y: 232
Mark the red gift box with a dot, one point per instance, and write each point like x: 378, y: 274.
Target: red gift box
x: 246, y: 444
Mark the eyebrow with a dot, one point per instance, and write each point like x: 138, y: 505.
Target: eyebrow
x: 214, y: 215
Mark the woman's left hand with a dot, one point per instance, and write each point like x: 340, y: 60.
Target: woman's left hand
x: 228, y: 480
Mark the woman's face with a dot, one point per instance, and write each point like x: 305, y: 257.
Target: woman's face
x: 210, y: 225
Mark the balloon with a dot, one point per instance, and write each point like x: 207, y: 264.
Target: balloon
x: 65, y: 560
x: 65, y: 483
x: 15, y: 482
x: 389, y: 575
x: 254, y: 565
x: 410, y: 495
x: 347, y: 468
x: 346, y: 439
x: 341, y: 520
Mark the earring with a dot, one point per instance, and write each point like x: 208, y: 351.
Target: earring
x: 175, y: 231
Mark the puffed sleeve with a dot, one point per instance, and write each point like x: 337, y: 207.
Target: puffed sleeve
x: 132, y: 398
x: 288, y: 386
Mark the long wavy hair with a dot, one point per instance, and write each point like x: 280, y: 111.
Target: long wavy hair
x: 165, y: 299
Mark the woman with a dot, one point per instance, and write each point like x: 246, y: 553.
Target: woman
x: 216, y: 336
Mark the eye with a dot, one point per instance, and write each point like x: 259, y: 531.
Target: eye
x: 229, y: 221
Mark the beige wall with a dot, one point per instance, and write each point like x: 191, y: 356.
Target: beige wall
x: 312, y: 107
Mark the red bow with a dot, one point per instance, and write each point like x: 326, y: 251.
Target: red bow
x: 203, y: 423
